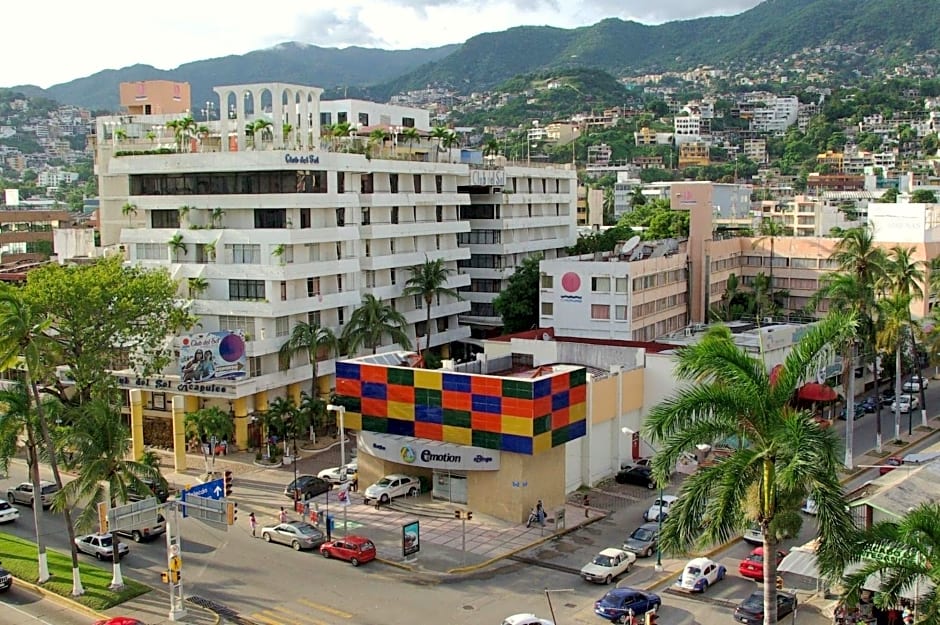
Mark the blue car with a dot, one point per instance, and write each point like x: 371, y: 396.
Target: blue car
x: 870, y: 404
x: 616, y: 604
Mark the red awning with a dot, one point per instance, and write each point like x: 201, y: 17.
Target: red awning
x: 814, y: 391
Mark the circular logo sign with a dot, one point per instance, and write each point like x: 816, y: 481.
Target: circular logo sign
x: 571, y: 282
x: 407, y: 454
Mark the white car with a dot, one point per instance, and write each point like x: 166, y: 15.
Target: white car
x: 700, y: 573
x: 753, y: 534
x: 607, y: 565
x: 526, y: 619
x: 391, y: 486
x: 8, y: 513
x: 907, y: 403
x: 653, y: 513
x: 914, y: 383
x: 100, y: 545
x: 338, y: 475
x: 810, y: 507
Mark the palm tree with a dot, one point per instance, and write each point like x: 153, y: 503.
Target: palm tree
x: 207, y: 424
x: 787, y: 457
x: 439, y: 133
x: 280, y: 412
x: 129, y: 210
x: 412, y: 136
x: 339, y: 130
x: 182, y: 128
x: 25, y: 337
x: 900, y: 554
x: 770, y: 230
x: 491, y: 148
x: 636, y: 197
x: 215, y: 217
x: 312, y: 410
x: 312, y: 338
x: 177, y: 245
x: 894, y: 313
x: 210, y: 249
x: 184, y: 210
x: 428, y: 282
x: 373, y: 321
x: 101, y: 444
x: 378, y: 137
x: 197, y: 286
x: 17, y: 417
x: 906, y: 276
x: 449, y: 140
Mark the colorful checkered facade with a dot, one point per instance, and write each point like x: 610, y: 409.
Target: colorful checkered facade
x: 509, y: 414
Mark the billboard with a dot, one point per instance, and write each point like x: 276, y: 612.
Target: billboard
x: 213, y: 356
x: 410, y: 538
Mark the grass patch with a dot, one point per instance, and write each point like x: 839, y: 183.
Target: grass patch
x: 20, y: 558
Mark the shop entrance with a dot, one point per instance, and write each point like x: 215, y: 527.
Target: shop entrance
x: 450, y: 486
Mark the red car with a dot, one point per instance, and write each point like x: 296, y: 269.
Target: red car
x: 356, y: 549
x: 752, y: 567
x: 888, y: 465
x: 120, y: 620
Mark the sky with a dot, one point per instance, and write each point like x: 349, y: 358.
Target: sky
x: 70, y: 40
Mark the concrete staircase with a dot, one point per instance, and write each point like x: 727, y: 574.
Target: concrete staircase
x: 424, y: 505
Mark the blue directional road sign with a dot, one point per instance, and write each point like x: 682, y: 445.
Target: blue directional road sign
x: 209, y: 490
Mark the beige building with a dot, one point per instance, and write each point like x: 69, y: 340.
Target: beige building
x: 155, y: 97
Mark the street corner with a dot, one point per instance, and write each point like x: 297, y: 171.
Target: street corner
x: 67, y: 602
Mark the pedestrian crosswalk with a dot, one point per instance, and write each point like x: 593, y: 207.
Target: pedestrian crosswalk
x: 307, y: 613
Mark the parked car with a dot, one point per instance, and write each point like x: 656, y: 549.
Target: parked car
x: 391, y: 486
x: 914, y: 384
x: 870, y: 404
x: 700, y: 573
x: 607, y: 565
x: 617, y: 603
x: 637, y: 474
x: 859, y: 411
x: 887, y: 397
x: 526, y: 619
x: 338, y: 475
x: 119, y: 620
x: 810, y: 507
x: 8, y: 513
x: 144, y: 532
x: 644, y: 540
x: 100, y: 545
x: 752, y: 567
x: 889, y: 464
x: 354, y: 549
x: 638, y: 462
x: 24, y: 493
x: 660, y: 506
x: 6, y: 580
x: 159, y: 489
x: 906, y: 402
x: 751, y: 610
x: 753, y: 534
x: 297, y: 534
x: 309, y: 486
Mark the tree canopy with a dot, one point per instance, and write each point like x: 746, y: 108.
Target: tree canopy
x: 518, y: 303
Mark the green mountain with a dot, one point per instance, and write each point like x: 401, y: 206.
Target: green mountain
x: 771, y: 31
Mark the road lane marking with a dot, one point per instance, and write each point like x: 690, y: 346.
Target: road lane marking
x: 27, y: 614
x: 325, y: 608
x: 302, y: 617
x: 260, y: 616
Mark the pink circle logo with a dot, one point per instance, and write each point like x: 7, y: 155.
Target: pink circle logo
x: 571, y: 282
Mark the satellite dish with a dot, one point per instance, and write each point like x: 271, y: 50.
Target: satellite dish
x: 629, y: 245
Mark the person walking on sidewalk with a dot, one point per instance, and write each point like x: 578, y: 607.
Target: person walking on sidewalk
x: 252, y: 523
x: 282, y: 516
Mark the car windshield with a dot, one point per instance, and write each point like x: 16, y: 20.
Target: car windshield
x: 602, y: 560
x: 756, y: 557
x: 384, y: 482
x: 48, y: 489
x: 105, y: 541
x: 755, y: 601
x: 694, y: 571
x: 367, y: 545
x: 306, y: 529
x: 641, y: 533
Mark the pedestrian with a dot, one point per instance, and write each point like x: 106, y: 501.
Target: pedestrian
x: 306, y: 507
x: 540, y: 513
x: 587, y: 506
x: 354, y: 484
x: 252, y: 523
x: 282, y: 517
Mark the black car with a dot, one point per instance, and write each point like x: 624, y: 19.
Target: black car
x: 309, y: 486
x: 637, y: 474
x: 6, y: 580
x: 751, y: 610
x: 159, y: 489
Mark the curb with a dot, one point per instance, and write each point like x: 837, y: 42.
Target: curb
x: 189, y: 605
x: 71, y: 604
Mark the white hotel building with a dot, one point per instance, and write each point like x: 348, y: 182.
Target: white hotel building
x: 281, y: 228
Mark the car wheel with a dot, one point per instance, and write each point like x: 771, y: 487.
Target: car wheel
x: 650, y: 485
x: 11, y: 498
x: 608, y: 579
x: 354, y: 561
x: 384, y: 499
x: 98, y: 555
x: 137, y: 536
x: 266, y: 537
x: 705, y: 585
x: 31, y: 503
x: 412, y: 491
x: 295, y: 545
x: 648, y: 552
x: 326, y: 553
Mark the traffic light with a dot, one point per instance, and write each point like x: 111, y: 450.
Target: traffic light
x: 175, y: 577
x: 469, y: 515
x: 456, y: 514
x: 165, y: 577
x: 231, y: 512
x: 228, y: 483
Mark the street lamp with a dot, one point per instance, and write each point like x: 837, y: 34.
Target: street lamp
x: 548, y: 597
x: 341, y: 412
x: 659, y: 517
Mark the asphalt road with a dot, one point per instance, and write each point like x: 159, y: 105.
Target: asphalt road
x: 22, y: 607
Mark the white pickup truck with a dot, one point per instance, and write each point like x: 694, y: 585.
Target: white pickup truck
x: 142, y: 533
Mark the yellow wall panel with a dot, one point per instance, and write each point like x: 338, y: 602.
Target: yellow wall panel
x: 541, y: 443
x: 577, y: 412
x: 459, y: 435
x: 428, y: 379
x: 352, y: 420
x: 401, y: 410
x: 520, y: 426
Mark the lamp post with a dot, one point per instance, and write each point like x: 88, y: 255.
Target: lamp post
x: 341, y: 416
x: 659, y: 517
x: 548, y: 597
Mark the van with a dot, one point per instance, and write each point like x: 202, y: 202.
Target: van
x: 144, y: 532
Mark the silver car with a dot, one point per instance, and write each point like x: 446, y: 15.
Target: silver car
x: 101, y: 546
x: 644, y: 540
x: 24, y: 493
x: 297, y: 534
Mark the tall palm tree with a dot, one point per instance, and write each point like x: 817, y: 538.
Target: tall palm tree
x: 787, y: 457
x: 101, y: 445
x: 894, y: 314
x: 449, y: 140
x: 373, y: 321
x: 206, y: 424
x: 902, y: 554
x: 312, y: 338
x: 277, y: 418
x: 439, y: 133
x: 412, y: 136
x: 24, y: 337
x: 378, y: 137
x: 16, y: 417
x: 770, y: 230
x: 197, y: 286
x: 491, y: 147
x: 339, y: 130
x: 905, y: 275
x: 428, y: 281
x: 182, y: 129
x: 313, y: 410
x: 130, y: 211
x: 215, y: 217
x: 177, y: 245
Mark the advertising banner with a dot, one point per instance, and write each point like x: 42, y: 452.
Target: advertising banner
x: 410, y: 538
x: 428, y: 454
x: 212, y: 356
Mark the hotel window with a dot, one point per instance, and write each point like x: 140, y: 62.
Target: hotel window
x: 364, y: 119
x: 339, y: 250
x: 164, y: 219
x: 254, y: 366
x: 393, y: 183
x: 270, y: 218
x: 439, y: 183
x: 283, y: 291
x: 339, y: 283
x: 548, y: 309
x: 313, y: 287
x: 370, y: 279
x: 152, y: 251
x: 366, y: 216
x: 244, y: 290
x: 600, y: 285
x: 341, y: 316
x: 304, y: 217
x: 600, y: 311
x: 340, y: 182
x: 313, y: 317
x: 231, y: 323
x: 391, y: 245
x: 437, y: 241
x: 419, y: 302
x: 622, y: 284
x: 366, y: 184
x: 393, y: 276
x: 548, y: 282
x: 340, y: 217
x: 394, y: 214
x: 368, y: 249
x: 439, y: 213
x: 282, y: 326
x: 620, y: 313
x: 408, y: 122
x: 417, y: 183
x: 245, y: 254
